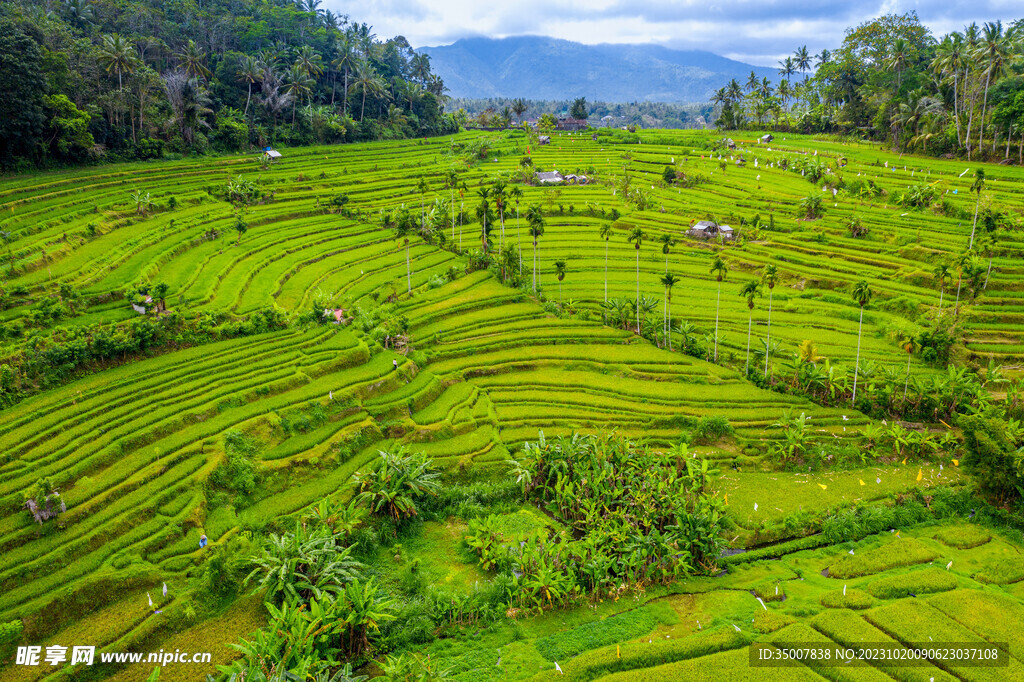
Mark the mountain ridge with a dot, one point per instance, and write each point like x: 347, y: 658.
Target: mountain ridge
x: 535, y: 67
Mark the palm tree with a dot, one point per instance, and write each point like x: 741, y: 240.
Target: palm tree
x: 535, y: 219
x: 770, y: 277
x: 636, y: 237
x: 720, y: 269
x: 498, y: 193
x: 515, y: 193
x: 422, y: 187
x: 249, y: 71
x: 667, y: 242
x: 368, y: 82
x: 193, y: 60
x: 908, y: 343
x: 560, y: 273
x: 482, y: 210
x: 802, y: 59
x: 786, y: 67
x: 996, y: 53
x: 519, y: 108
x: 668, y: 280
x: 606, y: 233
x: 346, y: 62
x: 977, y: 186
x: 116, y: 54
x: 898, y: 59
x: 941, y: 272
x: 298, y: 83
x: 750, y: 290
x: 862, y: 295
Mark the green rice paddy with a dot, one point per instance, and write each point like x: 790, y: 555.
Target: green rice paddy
x: 132, y: 447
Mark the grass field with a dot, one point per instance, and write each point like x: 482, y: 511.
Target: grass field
x: 133, y: 448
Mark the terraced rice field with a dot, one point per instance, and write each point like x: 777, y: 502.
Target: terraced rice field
x: 132, y: 447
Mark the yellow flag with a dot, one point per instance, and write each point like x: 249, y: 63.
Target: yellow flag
x: 822, y: 486
x: 920, y: 474
x: 727, y: 495
x: 617, y: 654
x: 861, y: 481
x: 956, y: 462
x: 904, y: 460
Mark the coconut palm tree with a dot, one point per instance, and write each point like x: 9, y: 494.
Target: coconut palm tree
x: 403, y: 228
x: 862, y: 295
x: 369, y: 83
x: 770, y: 277
x: 720, y: 269
x: 560, y: 273
x: 193, y: 61
x: 667, y: 242
x: 668, y: 280
x: 519, y: 107
x: 515, y: 193
x: 298, y: 83
x: 636, y: 238
x: 535, y: 219
x: 908, y: 343
x: 802, y: 59
x: 498, y: 194
x: 941, y: 272
x: 248, y: 71
x: 118, y: 55
x: 750, y: 290
x: 606, y: 234
x: 996, y: 54
x: 978, y: 186
x: 786, y: 67
x: 483, y: 209
x: 346, y: 62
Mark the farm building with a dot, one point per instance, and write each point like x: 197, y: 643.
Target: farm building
x: 336, y: 316
x: 571, y: 124
x: 766, y: 138
x: 544, y: 139
x: 549, y: 177
x: 270, y: 154
x: 141, y: 309
x: 706, y: 229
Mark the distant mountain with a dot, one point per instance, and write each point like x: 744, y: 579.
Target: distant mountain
x: 547, y: 68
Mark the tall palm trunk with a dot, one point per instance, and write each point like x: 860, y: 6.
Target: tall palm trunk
x: 718, y: 307
x: 767, y: 343
x: 606, y: 272
x: 856, y: 362
x: 246, y: 113
x: 956, y: 304
x: 906, y: 384
x: 670, y: 318
x: 519, y: 242
x: 984, y: 105
x: 664, y: 316
x: 408, y: 271
x: 942, y: 289
x: 989, y: 273
x: 344, y: 102
x: 750, y: 321
x: 977, y: 204
x: 535, y: 265
x: 638, y: 330
x: 956, y: 110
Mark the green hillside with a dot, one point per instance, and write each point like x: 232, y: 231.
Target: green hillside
x: 232, y: 408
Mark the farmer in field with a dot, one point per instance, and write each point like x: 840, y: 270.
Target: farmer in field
x: 394, y: 363
x: 202, y: 541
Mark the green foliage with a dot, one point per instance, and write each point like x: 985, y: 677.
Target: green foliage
x: 567, y: 644
x: 239, y: 473
x: 394, y: 486
x: 994, y: 454
x: 711, y: 428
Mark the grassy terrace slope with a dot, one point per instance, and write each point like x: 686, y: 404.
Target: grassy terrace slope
x: 132, y: 448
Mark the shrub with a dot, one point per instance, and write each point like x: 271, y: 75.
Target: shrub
x: 710, y: 428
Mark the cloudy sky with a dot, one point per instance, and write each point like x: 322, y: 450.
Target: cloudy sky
x: 757, y: 32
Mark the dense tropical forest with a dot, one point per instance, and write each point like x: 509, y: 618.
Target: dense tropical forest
x: 500, y: 111
x: 892, y: 80
x: 138, y: 79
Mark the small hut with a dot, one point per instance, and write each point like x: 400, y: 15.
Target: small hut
x: 544, y: 139
x: 52, y: 506
x: 270, y: 154
x: 549, y: 178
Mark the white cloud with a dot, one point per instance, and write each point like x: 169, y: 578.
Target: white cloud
x: 758, y: 31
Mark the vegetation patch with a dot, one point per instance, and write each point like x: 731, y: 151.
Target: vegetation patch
x: 898, y: 552
x: 963, y: 536
x: 618, y: 628
x: 912, y: 584
x: 849, y: 598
